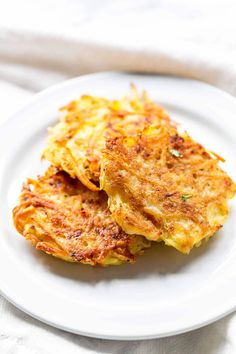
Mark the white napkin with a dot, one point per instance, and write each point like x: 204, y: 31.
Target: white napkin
x: 47, y: 41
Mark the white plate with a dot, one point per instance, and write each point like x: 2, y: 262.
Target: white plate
x: 165, y: 292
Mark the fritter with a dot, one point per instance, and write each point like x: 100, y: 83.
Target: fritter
x: 76, y: 143
x: 63, y: 218
x: 166, y: 187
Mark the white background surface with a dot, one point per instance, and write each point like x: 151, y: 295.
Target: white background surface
x: 44, y: 42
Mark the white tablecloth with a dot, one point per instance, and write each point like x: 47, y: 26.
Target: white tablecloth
x: 43, y: 42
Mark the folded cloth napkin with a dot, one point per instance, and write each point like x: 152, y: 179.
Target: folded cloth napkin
x: 47, y: 41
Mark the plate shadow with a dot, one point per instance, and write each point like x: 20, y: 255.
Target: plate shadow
x: 159, y: 259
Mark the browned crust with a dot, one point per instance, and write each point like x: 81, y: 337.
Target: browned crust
x: 76, y: 143
x: 63, y: 218
x: 174, y: 174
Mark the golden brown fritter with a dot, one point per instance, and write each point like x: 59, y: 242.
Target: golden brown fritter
x: 76, y: 143
x: 63, y: 218
x: 166, y: 187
